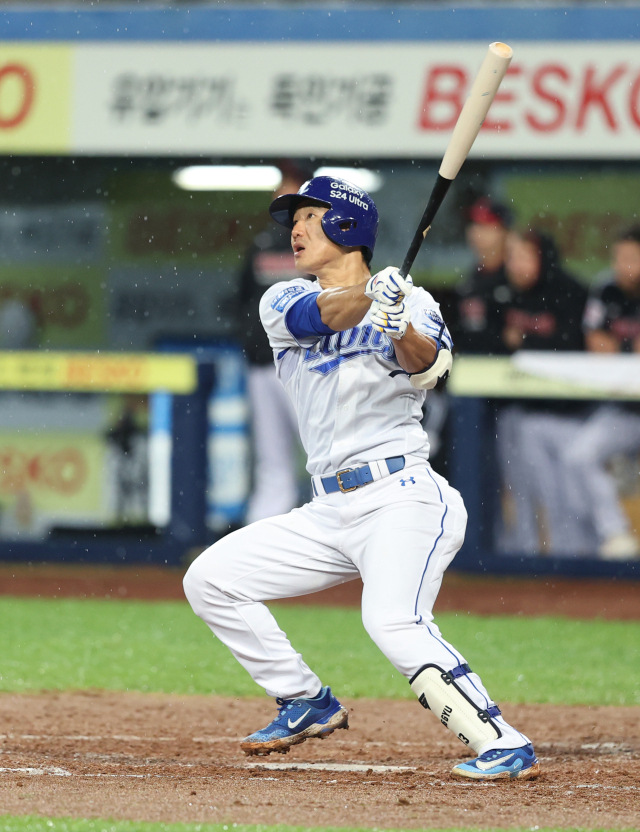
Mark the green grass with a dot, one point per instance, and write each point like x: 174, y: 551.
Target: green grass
x: 11, y: 823
x: 162, y: 646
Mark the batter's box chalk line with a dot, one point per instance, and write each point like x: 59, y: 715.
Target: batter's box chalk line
x: 135, y: 738
x: 54, y: 770
x: 326, y: 767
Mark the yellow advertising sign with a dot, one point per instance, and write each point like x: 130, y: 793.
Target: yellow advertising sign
x: 35, y: 98
x: 54, y: 472
x: 97, y: 372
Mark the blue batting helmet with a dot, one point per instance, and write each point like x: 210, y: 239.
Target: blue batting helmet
x: 352, y: 218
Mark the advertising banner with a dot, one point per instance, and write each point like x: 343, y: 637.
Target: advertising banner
x: 361, y: 99
x: 35, y: 98
x: 97, y: 372
x: 384, y: 99
x: 49, y: 478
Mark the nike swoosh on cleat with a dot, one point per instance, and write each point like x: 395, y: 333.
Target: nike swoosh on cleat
x: 298, y: 721
x: 492, y: 763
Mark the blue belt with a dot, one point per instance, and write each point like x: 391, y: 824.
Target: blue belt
x: 351, y: 478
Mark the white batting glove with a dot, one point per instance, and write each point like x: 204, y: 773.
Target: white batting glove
x: 388, y: 286
x: 390, y: 318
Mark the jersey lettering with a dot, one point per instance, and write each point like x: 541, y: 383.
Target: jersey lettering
x: 347, y: 338
x: 344, y: 346
x: 284, y: 298
x: 433, y: 316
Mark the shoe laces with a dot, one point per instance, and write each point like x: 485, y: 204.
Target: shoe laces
x: 496, y: 752
x: 284, y: 705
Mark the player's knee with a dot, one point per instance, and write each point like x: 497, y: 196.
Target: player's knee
x: 201, y: 584
x: 193, y: 584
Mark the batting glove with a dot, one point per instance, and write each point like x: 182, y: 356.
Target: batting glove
x: 390, y: 318
x: 388, y: 286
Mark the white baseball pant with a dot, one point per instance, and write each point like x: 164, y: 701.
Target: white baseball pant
x: 399, y: 534
x: 541, y: 486
x: 567, y: 527
x: 275, y: 433
x: 609, y: 431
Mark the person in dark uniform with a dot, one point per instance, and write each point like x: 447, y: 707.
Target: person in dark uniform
x: 478, y: 294
x: 612, y: 325
x: 612, y: 316
x: 471, y: 309
x: 540, y: 307
x: 269, y: 261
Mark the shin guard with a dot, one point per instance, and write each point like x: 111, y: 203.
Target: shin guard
x: 438, y: 691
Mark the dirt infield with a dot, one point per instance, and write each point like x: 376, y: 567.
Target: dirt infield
x: 489, y: 595
x: 171, y: 758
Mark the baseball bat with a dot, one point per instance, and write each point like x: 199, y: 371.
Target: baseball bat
x: 464, y: 134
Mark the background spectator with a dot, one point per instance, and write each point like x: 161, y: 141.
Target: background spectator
x: 486, y: 235
x: 612, y: 324
x: 273, y: 421
x: 540, y: 308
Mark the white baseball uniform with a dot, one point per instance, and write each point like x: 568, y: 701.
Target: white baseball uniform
x: 355, y: 406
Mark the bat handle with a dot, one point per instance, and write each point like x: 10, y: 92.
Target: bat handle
x: 435, y: 200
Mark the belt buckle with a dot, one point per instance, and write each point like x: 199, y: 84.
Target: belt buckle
x: 340, y: 486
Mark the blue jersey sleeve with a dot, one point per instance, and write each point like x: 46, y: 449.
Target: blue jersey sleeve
x: 303, y: 318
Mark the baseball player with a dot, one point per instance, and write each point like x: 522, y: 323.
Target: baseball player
x: 273, y: 420
x: 612, y: 325
x: 540, y: 308
x: 480, y: 293
x: 355, y: 354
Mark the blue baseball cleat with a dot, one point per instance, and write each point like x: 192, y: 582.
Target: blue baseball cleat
x: 501, y: 764
x: 297, y: 720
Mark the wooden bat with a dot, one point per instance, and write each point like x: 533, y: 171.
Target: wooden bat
x: 464, y: 134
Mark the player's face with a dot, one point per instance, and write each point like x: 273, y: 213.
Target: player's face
x: 626, y: 265
x: 312, y: 249
x: 522, y: 262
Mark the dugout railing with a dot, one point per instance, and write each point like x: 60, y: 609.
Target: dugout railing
x: 479, y: 386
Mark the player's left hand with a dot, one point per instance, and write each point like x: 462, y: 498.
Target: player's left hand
x: 390, y: 318
x: 388, y: 286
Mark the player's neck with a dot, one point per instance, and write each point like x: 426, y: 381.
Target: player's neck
x: 349, y: 270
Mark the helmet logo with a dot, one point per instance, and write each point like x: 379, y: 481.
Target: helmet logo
x: 350, y: 197
x: 358, y: 202
x: 345, y: 186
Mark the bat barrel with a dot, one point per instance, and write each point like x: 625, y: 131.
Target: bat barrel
x: 464, y: 134
x: 476, y: 107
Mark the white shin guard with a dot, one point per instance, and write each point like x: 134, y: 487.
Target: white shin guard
x: 438, y: 691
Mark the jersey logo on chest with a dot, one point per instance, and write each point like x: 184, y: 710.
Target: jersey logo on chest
x: 333, y: 350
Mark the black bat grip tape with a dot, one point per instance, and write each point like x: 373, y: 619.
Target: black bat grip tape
x: 435, y: 201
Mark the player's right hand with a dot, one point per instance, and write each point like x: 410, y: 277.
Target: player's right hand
x: 388, y: 286
x: 390, y: 318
